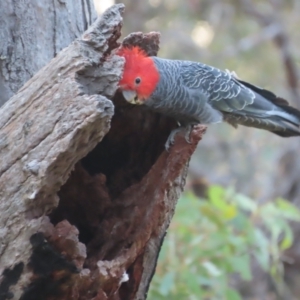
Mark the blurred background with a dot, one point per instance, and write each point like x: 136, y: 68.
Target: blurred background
x: 260, y: 41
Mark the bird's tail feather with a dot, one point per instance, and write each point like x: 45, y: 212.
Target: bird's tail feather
x: 267, y: 112
x: 277, y: 125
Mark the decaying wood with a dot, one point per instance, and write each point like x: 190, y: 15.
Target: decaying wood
x: 45, y: 129
x: 94, y: 232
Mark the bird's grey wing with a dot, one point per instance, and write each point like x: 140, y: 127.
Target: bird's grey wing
x: 223, y: 90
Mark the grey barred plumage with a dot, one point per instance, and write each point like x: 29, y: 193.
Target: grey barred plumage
x: 195, y: 93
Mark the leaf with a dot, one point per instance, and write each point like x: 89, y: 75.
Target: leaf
x: 232, y: 295
x: 288, y: 210
x: 241, y: 264
x: 209, y: 240
x: 262, y: 253
x: 245, y: 203
x: 276, y: 227
x: 287, y: 240
x: 213, y: 215
x: 211, y: 268
x: 215, y: 193
x: 229, y: 211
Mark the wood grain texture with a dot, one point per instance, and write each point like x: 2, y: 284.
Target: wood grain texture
x: 45, y: 129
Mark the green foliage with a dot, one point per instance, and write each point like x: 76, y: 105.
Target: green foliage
x: 211, y: 239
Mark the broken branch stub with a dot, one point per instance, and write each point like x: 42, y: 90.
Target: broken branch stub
x: 100, y: 237
x: 48, y: 126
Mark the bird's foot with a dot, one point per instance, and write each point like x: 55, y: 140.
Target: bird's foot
x: 170, y: 141
x: 188, y: 132
x: 171, y: 138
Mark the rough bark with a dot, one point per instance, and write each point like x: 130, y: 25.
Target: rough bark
x: 32, y: 32
x: 94, y: 232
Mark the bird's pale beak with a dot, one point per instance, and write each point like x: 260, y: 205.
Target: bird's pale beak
x: 131, y: 97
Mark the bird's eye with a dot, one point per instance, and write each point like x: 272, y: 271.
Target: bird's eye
x: 138, y: 80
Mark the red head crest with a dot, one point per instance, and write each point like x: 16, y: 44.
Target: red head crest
x: 140, y: 73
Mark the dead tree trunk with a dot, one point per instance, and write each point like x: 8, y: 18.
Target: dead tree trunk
x: 32, y: 32
x: 87, y: 190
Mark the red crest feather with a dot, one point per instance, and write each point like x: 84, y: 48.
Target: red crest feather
x: 138, y: 65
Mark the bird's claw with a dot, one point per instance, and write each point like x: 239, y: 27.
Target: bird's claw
x: 171, y: 139
x: 188, y: 132
x: 168, y: 144
x: 187, y: 136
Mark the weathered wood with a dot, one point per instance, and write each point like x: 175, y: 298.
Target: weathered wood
x: 45, y: 129
x: 94, y: 232
x: 32, y: 32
